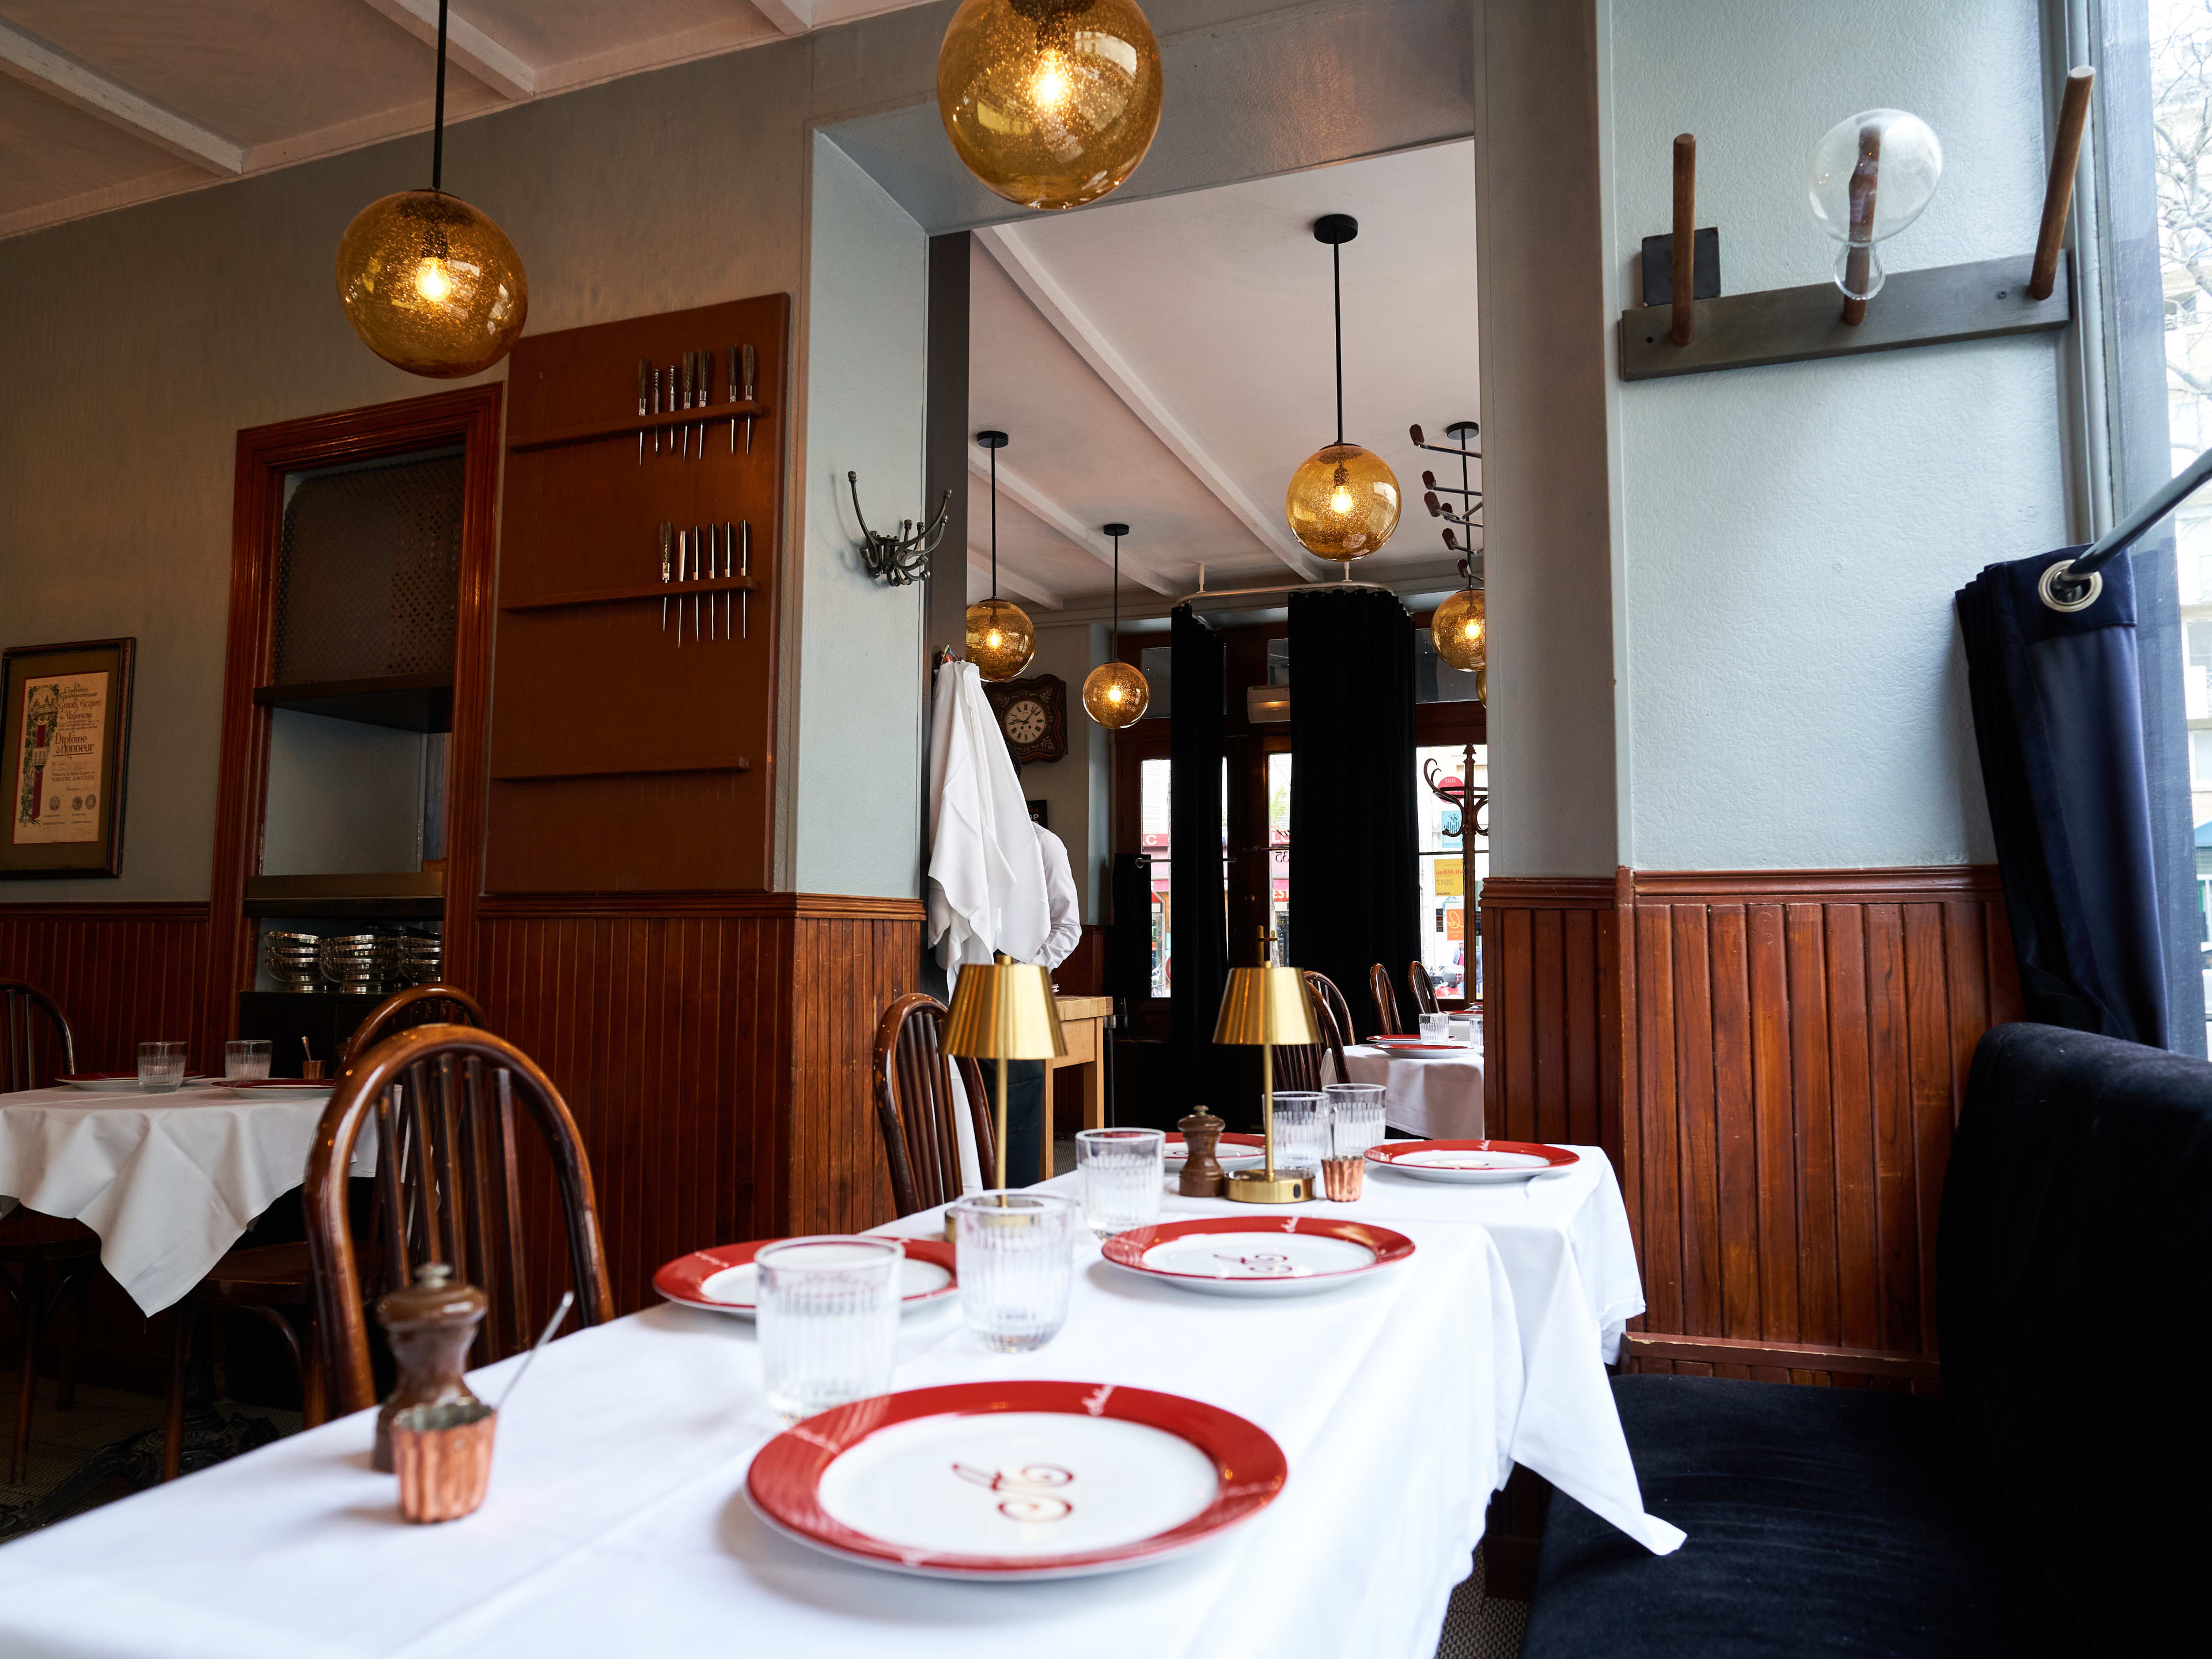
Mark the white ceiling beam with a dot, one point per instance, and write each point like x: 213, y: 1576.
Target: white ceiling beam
x: 1019, y: 584
x: 496, y: 65
x: 1087, y: 538
x: 789, y: 16
x: 1058, y: 308
x: 75, y: 83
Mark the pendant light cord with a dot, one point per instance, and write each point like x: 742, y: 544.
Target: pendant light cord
x: 994, y: 524
x: 1336, y: 286
x: 438, y: 132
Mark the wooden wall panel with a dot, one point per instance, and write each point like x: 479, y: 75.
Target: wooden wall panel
x: 1793, y: 1045
x: 716, y: 1054
x: 124, y: 972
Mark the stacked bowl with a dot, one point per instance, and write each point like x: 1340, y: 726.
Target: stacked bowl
x: 294, y: 959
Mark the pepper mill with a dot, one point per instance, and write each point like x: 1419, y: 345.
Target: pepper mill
x: 1202, y: 1175
x: 430, y: 1325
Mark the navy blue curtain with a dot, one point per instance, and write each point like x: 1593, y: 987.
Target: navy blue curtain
x: 1355, y: 893
x: 1198, y: 955
x: 2058, y: 720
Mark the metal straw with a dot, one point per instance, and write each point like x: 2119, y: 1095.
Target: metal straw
x: 568, y: 1301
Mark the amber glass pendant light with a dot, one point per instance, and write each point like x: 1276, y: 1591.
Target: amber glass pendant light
x: 1051, y: 103
x: 1001, y: 638
x: 1115, y: 693
x: 431, y: 285
x: 1460, y: 629
x: 1343, y: 502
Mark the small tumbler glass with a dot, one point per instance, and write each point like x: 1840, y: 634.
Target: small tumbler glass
x: 160, y: 1067
x: 246, y: 1059
x: 1016, y: 1252
x: 828, y: 1313
x: 1355, y: 1123
x: 1436, y: 1028
x: 1301, y: 1131
x: 1122, y: 1170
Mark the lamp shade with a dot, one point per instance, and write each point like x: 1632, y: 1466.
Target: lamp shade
x: 1460, y: 629
x: 1115, y: 695
x: 1343, y: 502
x: 1003, y: 1010
x: 1264, y: 1004
x: 1051, y: 103
x: 1001, y: 638
x: 431, y: 285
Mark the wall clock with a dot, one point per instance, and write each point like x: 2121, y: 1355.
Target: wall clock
x: 1032, y: 717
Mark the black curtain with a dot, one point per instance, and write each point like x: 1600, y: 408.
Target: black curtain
x: 1129, y: 940
x: 1198, y: 957
x: 2058, y: 720
x: 1355, y: 893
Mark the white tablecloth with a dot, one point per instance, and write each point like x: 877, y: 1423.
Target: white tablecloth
x: 1435, y: 1098
x: 169, y: 1181
x: 617, y: 1522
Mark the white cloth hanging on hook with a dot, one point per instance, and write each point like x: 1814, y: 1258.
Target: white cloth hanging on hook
x: 986, y: 879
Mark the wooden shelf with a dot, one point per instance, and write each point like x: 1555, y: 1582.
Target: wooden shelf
x: 396, y: 893
x: 404, y: 702
x: 631, y: 595
x: 714, y: 415
x: 349, y: 910
x: 625, y: 769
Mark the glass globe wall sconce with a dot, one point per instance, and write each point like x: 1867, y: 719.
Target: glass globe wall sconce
x: 1115, y: 693
x: 1342, y: 502
x: 1050, y: 103
x: 1868, y: 179
x: 1001, y: 638
x: 430, y: 284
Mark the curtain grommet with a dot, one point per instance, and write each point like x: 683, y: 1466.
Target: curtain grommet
x: 2048, y: 589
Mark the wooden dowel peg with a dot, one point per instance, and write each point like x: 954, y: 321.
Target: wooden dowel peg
x: 1859, y: 268
x: 2058, y: 192
x: 1686, y: 237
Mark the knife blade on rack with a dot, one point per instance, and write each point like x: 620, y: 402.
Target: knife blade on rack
x: 669, y: 407
x: 706, y: 397
x: 711, y: 606
x: 734, y: 384
x: 644, y: 379
x: 682, y: 552
x: 667, y: 538
x: 752, y: 373
x: 744, y: 568
x: 695, y: 576
x: 656, y: 409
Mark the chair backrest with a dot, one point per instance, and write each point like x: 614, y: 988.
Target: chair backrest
x: 1328, y: 999
x: 1386, y: 1001
x: 1298, y: 1066
x: 1424, y: 989
x: 1333, y: 1038
x: 449, y: 1188
x: 34, y: 1034
x: 418, y: 1005
x: 915, y: 1105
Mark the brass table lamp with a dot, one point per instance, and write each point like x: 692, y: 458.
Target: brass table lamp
x: 1003, y: 1009
x: 1266, y: 1006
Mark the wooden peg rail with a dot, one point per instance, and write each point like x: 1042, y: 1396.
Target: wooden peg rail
x: 635, y: 592
x: 1984, y: 300
x: 713, y: 416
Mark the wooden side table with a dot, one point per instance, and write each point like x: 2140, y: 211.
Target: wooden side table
x: 1083, y: 1027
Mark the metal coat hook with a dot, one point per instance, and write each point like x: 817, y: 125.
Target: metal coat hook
x: 1465, y: 432
x: 903, y: 558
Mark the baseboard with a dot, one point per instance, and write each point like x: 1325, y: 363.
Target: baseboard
x: 1921, y: 1370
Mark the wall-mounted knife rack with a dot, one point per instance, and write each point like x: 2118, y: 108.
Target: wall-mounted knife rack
x: 620, y: 759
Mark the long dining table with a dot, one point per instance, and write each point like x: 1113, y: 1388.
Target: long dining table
x: 617, y: 1519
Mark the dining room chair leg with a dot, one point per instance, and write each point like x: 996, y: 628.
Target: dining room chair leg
x: 65, y: 1379
x: 314, y: 1398
x: 29, y: 1303
x: 173, y: 1412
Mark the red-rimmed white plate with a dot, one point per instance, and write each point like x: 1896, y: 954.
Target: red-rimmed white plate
x: 100, y: 1083
x: 1399, y: 1045
x: 1015, y: 1480
x: 1258, y: 1256
x: 725, y: 1280
x: 1472, y: 1160
x: 1231, y: 1152
x: 275, y: 1085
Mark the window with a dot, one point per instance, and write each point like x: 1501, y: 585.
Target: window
x: 1278, y: 850
x: 1157, y: 798
x: 1454, y: 970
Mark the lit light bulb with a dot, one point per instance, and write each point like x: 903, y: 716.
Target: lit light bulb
x: 995, y: 639
x: 431, y: 281
x: 1050, y: 87
x: 1114, y: 692
x: 1340, y: 499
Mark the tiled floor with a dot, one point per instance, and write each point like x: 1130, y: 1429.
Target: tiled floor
x: 105, y: 1447
x: 1479, y: 1626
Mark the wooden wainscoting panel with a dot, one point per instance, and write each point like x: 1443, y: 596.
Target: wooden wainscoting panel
x: 1552, y: 1010
x: 122, y: 972
x: 718, y: 1065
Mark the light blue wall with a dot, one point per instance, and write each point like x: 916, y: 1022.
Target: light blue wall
x: 1791, y: 536
x: 859, y: 736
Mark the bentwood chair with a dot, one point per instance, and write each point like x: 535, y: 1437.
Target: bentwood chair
x: 1328, y: 999
x: 446, y: 1101
x: 1424, y: 988
x: 915, y: 1104
x: 1333, y: 1037
x: 418, y: 1005
x: 1386, y: 1001
x: 42, y: 1257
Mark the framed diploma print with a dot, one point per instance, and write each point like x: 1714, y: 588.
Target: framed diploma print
x: 67, y: 726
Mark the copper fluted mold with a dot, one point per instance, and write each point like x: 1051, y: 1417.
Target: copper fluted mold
x: 443, y: 1457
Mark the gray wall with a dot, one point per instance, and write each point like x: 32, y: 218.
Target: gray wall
x: 1792, y: 536
x: 858, y: 791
